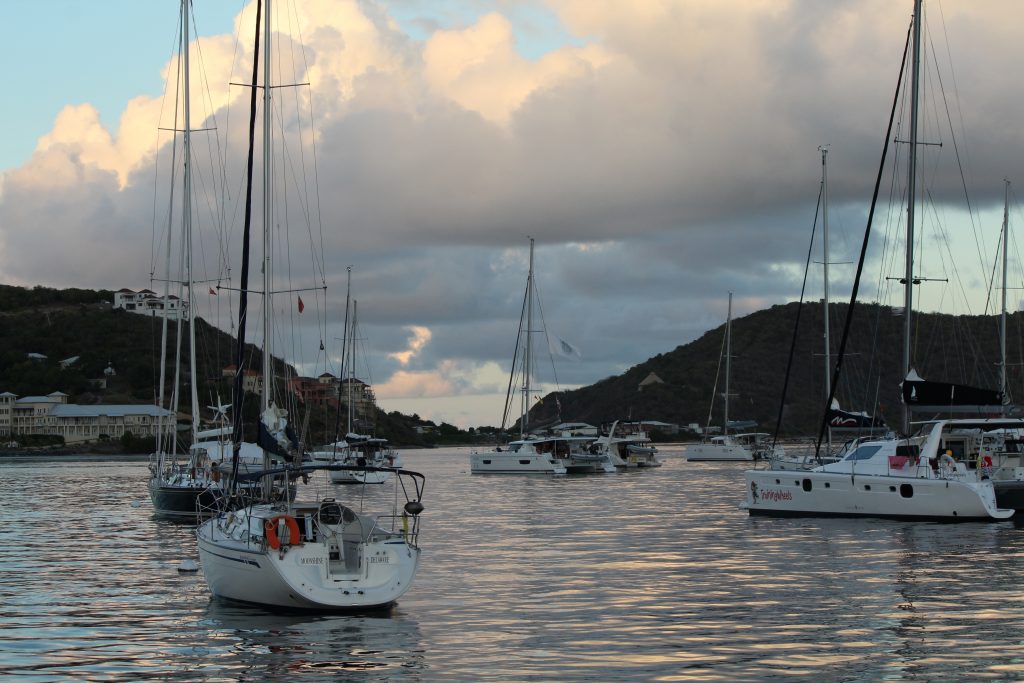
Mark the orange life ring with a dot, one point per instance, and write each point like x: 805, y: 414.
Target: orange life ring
x: 270, y: 530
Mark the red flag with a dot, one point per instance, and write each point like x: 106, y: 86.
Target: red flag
x: 213, y: 292
x: 302, y: 306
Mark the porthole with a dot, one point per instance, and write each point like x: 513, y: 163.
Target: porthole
x: 807, y: 484
x: 487, y: 462
x: 906, y: 490
x: 867, y: 487
x: 828, y: 485
x: 777, y: 481
x: 524, y: 462
x: 893, y: 489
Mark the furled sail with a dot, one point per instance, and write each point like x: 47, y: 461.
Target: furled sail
x: 924, y: 395
x: 847, y: 419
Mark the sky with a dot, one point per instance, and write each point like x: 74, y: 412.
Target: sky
x: 662, y: 153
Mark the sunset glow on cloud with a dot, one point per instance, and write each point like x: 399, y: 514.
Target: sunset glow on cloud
x: 662, y: 153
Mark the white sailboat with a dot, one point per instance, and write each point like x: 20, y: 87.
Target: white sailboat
x: 909, y: 478
x: 731, y: 447
x: 316, y: 555
x: 367, y: 458
x: 526, y: 455
x: 180, y: 488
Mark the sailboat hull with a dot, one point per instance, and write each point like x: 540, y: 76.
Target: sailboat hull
x: 838, y: 494
x: 183, y: 503
x: 307, y: 576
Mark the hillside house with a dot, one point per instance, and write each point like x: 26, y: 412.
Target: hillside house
x: 53, y: 415
x: 148, y: 302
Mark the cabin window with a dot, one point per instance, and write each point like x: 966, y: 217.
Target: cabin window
x: 863, y: 452
x: 906, y: 490
x: 487, y: 462
x: 524, y: 462
x: 911, y: 451
x: 807, y: 484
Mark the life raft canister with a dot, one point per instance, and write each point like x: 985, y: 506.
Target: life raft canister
x: 270, y: 530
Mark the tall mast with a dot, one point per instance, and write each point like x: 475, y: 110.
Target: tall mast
x: 187, y: 218
x: 529, y: 348
x: 351, y: 363
x: 343, y: 376
x: 728, y: 359
x: 824, y: 225
x: 824, y: 261
x: 267, y: 208
x: 908, y: 287
x: 1002, y: 321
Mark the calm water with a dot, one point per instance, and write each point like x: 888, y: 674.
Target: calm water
x: 650, y: 575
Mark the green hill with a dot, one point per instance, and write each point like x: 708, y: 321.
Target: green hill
x: 961, y: 349
x: 64, y: 324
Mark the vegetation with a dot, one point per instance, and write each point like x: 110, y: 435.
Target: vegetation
x: 959, y: 349
x: 80, y: 328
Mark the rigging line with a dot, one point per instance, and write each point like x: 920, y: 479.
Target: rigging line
x: 243, y: 304
x: 172, y: 400
x: 515, y: 361
x: 547, y: 339
x: 302, y: 147
x: 796, y: 325
x: 969, y: 338
x: 990, y: 289
x: 978, y: 239
x: 863, y: 251
x: 714, y: 386
x: 316, y: 167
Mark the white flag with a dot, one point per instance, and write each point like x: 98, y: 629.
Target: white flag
x: 563, y: 348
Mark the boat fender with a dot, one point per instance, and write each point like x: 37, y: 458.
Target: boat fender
x: 270, y: 529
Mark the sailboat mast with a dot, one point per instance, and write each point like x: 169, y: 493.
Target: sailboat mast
x: 343, y: 376
x: 267, y: 208
x: 908, y: 287
x: 187, y: 218
x: 1002, y: 321
x: 728, y: 359
x: 824, y: 262
x: 825, y: 278
x: 523, y: 428
x: 351, y: 363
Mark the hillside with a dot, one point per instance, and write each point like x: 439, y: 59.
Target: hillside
x: 962, y: 349
x: 63, y: 324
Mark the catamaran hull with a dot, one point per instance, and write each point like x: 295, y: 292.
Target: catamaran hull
x: 514, y: 463
x: 300, y: 579
x: 835, y: 494
x: 717, y: 452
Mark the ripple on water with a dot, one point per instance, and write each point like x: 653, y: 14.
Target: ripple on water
x: 650, y: 575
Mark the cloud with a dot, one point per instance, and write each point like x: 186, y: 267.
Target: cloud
x: 420, y: 338
x: 663, y: 156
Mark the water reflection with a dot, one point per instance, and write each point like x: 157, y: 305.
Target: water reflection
x: 264, y: 646
x: 635, y: 576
